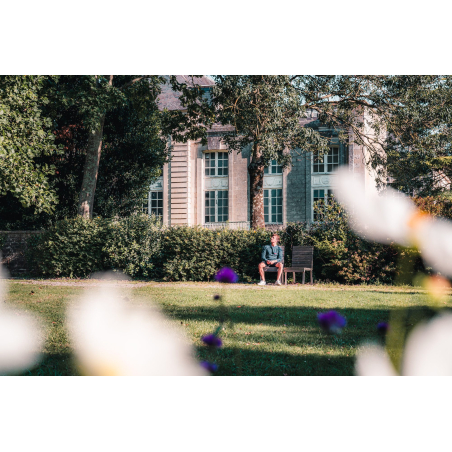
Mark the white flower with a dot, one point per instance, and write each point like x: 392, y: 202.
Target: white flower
x: 112, y: 337
x: 393, y: 217
x: 428, y: 352
x: 20, y: 337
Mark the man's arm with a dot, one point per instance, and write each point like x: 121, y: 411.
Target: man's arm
x: 264, y: 254
x: 280, y: 255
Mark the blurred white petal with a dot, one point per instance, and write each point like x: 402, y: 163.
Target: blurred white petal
x: 3, y: 283
x: 372, y: 360
x: 428, y: 350
x: 434, y: 238
x: 112, y: 337
x: 20, y: 341
x: 383, y: 218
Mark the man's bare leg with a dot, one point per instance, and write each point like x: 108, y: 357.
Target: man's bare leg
x: 280, y: 269
x: 261, y: 271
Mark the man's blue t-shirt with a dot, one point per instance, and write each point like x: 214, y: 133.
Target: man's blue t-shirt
x: 272, y: 253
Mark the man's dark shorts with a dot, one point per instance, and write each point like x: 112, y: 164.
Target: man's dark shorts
x: 271, y: 265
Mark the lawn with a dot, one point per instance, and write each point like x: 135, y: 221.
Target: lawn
x: 271, y: 330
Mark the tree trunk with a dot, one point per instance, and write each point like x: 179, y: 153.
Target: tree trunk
x: 90, y: 171
x: 256, y: 172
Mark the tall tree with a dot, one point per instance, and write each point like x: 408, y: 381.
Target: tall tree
x: 94, y: 98
x: 25, y: 137
x: 133, y: 153
x: 404, y: 121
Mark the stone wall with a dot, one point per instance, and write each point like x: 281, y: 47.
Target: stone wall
x: 13, y: 251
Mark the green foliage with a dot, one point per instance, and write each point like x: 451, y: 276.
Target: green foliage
x: 133, y: 148
x: 196, y: 254
x: 134, y: 244
x: 25, y: 137
x: 342, y: 256
x: 438, y: 206
x: 141, y: 247
x: 72, y: 247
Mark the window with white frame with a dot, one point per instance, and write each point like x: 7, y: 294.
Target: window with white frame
x: 216, y: 206
x: 326, y: 163
x: 273, y: 168
x: 320, y: 196
x: 156, y: 203
x: 273, y: 206
x: 216, y: 164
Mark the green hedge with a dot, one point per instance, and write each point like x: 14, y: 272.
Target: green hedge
x: 141, y: 247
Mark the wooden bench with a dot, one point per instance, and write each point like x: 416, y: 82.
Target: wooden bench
x: 275, y: 269
x: 302, y: 261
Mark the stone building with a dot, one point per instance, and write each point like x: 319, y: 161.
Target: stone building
x: 206, y: 185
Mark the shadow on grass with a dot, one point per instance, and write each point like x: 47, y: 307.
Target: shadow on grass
x: 54, y: 364
x: 357, y: 318
x: 237, y: 361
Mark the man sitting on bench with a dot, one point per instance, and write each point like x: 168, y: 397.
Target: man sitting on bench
x: 272, y: 256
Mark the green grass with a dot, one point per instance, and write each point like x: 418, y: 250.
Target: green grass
x: 272, y: 330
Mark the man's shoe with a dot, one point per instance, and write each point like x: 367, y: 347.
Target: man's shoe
x: 261, y: 283
x: 278, y: 283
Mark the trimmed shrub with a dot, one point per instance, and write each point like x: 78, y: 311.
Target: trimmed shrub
x: 141, y: 247
x: 133, y: 245
x: 196, y: 254
x: 72, y: 247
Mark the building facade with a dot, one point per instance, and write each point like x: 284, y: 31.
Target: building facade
x: 208, y: 186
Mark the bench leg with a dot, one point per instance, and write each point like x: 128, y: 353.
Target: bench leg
x: 293, y: 274
x: 311, y: 278
x: 303, y: 277
x: 285, y: 277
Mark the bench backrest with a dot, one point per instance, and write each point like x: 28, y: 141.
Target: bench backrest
x: 302, y: 256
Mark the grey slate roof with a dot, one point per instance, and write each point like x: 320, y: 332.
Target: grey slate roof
x: 169, y: 99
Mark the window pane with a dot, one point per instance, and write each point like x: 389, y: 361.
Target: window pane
x: 318, y: 166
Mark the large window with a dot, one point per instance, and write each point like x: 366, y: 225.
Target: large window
x: 216, y: 164
x: 216, y: 206
x: 320, y: 196
x: 326, y: 163
x: 156, y: 203
x: 273, y: 206
x: 273, y: 168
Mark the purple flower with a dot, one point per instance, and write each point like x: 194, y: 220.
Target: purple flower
x: 211, y: 367
x: 226, y: 275
x: 212, y: 340
x: 331, y: 321
x: 382, y: 328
